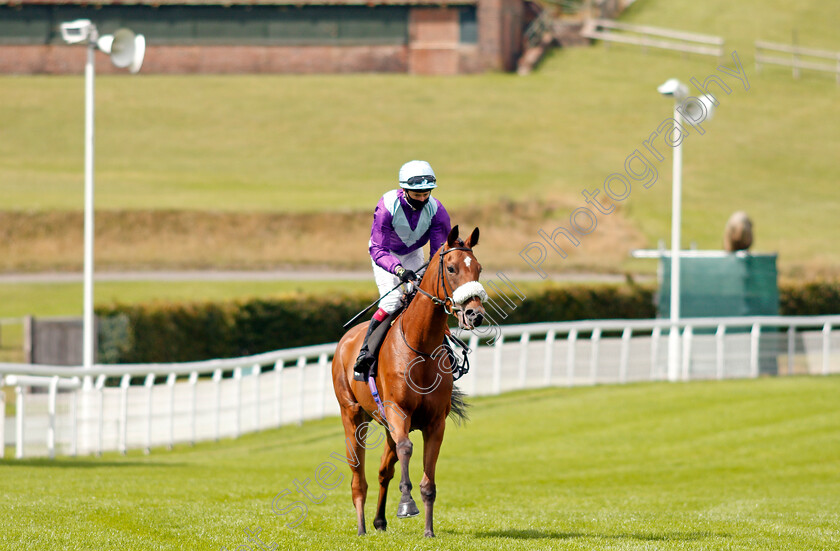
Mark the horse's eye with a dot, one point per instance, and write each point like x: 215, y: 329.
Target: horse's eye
x: 451, y: 269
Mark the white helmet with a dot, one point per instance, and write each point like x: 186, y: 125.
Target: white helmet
x: 417, y: 176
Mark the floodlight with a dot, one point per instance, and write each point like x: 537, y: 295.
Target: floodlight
x: 673, y: 87
x: 698, y: 109
x: 693, y: 110
x: 75, y: 32
x: 125, y: 50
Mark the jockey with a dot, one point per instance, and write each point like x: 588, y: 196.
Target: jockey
x: 404, y: 221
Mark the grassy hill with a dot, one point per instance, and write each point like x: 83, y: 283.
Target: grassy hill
x: 259, y: 146
x: 737, y: 465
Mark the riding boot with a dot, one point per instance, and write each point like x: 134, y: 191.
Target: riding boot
x: 365, y: 359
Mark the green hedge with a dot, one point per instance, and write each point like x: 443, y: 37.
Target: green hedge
x: 815, y: 298
x: 198, y: 331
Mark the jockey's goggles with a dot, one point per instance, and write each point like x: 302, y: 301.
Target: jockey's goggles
x: 419, y: 180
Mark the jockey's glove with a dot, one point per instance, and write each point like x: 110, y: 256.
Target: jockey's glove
x: 405, y: 275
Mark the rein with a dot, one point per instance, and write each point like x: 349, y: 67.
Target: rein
x: 449, y: 305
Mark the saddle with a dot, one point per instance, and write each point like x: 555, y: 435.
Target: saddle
x: 459, y: 367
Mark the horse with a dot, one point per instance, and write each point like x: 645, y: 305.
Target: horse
x: 414, y: 379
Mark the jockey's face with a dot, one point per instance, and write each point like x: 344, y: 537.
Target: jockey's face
x: 418, y: 195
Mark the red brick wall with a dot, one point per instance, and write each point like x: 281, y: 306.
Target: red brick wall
x: 433, y: 48
x: 63, y: 59
x: 500, y: 33
x: 433, y: 41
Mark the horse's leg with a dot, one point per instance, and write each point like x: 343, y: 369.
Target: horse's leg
x: 352, y: 417
x: 404, y: 447
x: 432, y: 440
x: 386, y: 473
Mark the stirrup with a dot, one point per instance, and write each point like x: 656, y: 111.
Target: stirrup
x: 362, y: 363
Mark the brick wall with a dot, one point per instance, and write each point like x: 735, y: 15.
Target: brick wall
x: 212, y: 59
x: 434, y: 48
x: 500, y: 33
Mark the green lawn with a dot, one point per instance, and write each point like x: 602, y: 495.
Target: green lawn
x: 334, y: 142
x: 719, y: 465
x: 65, y: 299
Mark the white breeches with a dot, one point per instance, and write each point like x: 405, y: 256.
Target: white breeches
x: 387, y: 281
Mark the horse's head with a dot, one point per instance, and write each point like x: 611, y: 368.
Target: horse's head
x: 457, y: 285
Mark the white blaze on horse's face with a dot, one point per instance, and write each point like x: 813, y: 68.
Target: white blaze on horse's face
x: 469, y: 295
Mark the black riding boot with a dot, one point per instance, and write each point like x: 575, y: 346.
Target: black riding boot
x: 365, y: 359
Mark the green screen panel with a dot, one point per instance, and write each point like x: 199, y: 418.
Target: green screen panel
x: 287, y: 25
x: 24, y: 24
x: 468, y: 23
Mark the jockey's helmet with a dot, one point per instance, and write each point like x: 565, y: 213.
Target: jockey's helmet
x: 417, y: 176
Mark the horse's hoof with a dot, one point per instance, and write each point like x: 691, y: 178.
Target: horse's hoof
x: 380, y: 524
x: 407, y: 509
x: 429, y: 534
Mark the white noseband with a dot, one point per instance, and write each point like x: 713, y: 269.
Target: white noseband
x: 468, y: 290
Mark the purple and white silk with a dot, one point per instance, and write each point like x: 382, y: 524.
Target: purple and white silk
x: 399, y: 230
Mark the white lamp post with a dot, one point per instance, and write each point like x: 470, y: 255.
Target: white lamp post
x: 126, y: 50
x: 696, y: 110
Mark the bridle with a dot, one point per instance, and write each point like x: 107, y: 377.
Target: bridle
x: 448, y: 303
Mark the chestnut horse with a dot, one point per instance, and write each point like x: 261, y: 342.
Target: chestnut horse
x: 414, y: 379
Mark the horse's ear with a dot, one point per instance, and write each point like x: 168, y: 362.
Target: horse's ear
x: 453, y: 237
x: 472, y: 241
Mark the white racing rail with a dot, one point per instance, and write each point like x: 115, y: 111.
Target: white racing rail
x: 70, y: 411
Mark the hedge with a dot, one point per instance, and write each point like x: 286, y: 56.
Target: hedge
x: 164, y: 332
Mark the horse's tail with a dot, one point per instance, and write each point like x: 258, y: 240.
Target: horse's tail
x: 459, y: 406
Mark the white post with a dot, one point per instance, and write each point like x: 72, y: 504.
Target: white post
x: 74, y: 440
x: 624, y: 358
x: 791, y: 348
x: 170, y: 383
x: 237, y: 425
x: 88, y: 325
x: 255, y: 374
x: 754, y: 336
x: 301, y: 365
x: 595, y: 340
x: 570, y: 357
x: 125, y: 382
x: 100, y: 392
x: 473, y: 345
x: 217, y: 382
x: 53, y: 396
x: 2, y: 420
x: 19, y: 413
x: 676, y: 219
x: 194, y: 405
x: 524, y: 341
x: 654, y: 352
x: 278, y: 391
x: 549, y: 356
x: 150, y: 387
x: 497, y: 365
x: 720, y: 352
x: 323, y: 368
x: 688, y: 335
x: 826, y: 355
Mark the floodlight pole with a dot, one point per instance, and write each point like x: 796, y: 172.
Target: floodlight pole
x: 89, y: 323
x: 676, y: 220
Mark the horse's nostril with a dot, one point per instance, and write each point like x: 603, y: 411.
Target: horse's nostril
x: 479, y: 319
x: 470, y: 312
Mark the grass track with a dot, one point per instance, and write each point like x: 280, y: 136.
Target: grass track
x: 717, y: 465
